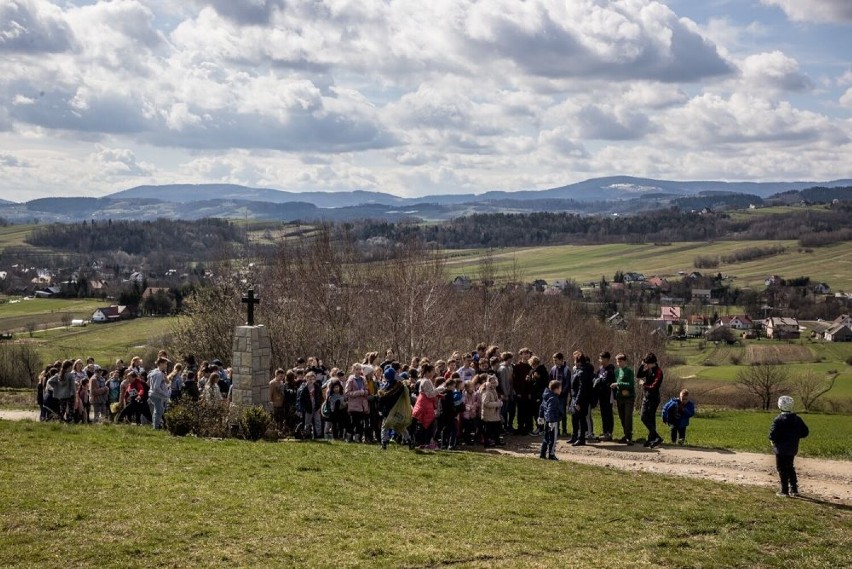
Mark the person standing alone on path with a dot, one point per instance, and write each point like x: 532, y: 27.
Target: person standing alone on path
x: 651, y: 379
x: 786, y: 431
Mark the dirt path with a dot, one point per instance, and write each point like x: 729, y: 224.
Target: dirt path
x: 822, y: 479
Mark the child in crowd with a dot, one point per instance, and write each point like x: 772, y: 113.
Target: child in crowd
x: 334, y: 410
x: 424, y: 409
x: 676, y: 414
x: 472, y: 401
x: 491, y: 418
x: 447, y: 421
x: 549, y: 416
x: 786, y: 431
x: 309, y: 399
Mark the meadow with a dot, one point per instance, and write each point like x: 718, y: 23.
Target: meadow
x: 587, y: 263
x: 720, y: 364
x: 118, y: 496
x: 17, y: 315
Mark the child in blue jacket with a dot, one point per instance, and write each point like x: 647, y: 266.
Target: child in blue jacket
x: 550, y: 413
x: 676, y: 414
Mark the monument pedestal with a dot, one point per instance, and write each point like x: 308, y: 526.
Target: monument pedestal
x: 251, y: 366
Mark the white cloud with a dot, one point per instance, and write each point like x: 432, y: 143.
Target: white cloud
x: 846, y: 98
x: 815, y: 10
x: 32, y: 27
x: 774, y: 71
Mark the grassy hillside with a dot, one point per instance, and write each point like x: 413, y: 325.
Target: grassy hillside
x: 708, y: 362
x: 44, y: 312
x: 832, y: 264
x: 104, y: 342
x: 190, y: 502
x: 14, y: 235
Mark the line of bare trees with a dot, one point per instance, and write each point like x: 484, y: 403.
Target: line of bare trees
x: 320, y: 297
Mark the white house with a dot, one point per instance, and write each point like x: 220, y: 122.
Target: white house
x: 110, y: 314
x: 739, y: 322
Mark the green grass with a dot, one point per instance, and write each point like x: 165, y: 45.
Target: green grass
x: 14, y: 235
x: 45, y: 312
x: 104, y: 342
x: 714, y: 363
x: 129, y: 497
x: 585, y: 263
x: 830, y: 437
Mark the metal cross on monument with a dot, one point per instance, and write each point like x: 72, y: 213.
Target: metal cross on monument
x: 250, y: 300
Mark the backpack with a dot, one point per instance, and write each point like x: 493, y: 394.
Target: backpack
x: 671, y: 412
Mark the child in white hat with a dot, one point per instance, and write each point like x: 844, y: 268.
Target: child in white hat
x: 785, y: 432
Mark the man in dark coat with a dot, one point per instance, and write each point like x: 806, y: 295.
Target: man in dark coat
x: 582, y: 394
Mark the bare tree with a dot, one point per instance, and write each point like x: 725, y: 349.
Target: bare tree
x: 809, y: 387
x: 764, y: 381
x: 66, y: 319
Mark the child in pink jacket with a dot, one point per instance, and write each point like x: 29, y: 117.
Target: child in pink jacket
x: 424, y: 410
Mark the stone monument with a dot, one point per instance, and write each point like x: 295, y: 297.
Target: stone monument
x: 251, y: 360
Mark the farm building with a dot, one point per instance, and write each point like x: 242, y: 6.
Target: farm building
x: 739, y: 322
x: 839, y: 333
x: 782, y: 328
x: 110, y: 314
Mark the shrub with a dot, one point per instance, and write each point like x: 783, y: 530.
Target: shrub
x: 849, y: 361
x: 735, y: 359
x: 253, y: 423
x: 188, y: 417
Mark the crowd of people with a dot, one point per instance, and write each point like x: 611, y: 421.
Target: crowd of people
x: 471, y: 398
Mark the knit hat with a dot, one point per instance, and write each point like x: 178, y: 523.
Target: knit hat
x: 390, y: 374
x: 404, y: 375
x: 785, y: 403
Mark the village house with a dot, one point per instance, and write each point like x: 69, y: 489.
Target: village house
x: 112, y: 313
x: 659, y: 283
x: 152, y: 291
x: 701, y: 294
x: 782, y: 328
x: 844, y: 319
x: 739, y: 322
x: 696, y: 325
x: 670, y: 314
x: 822, y: 288
x: 631, y: 277
x: 839, y: 333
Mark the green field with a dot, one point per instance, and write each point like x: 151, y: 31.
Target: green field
x: 717, y: 363
x: 104, y: 342
x: 129, y: 497
x: 14, y: 235
x: 19, y: 315
x: 586, y: 263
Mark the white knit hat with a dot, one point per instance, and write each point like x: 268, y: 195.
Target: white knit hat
x: 785, y: 403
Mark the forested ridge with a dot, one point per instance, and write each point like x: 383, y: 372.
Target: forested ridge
x: 534, y: 229
x: 138, y: 237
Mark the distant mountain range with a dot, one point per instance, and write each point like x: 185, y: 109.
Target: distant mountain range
x: 617, y: 194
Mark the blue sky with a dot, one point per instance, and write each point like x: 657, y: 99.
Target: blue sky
x: 416, y: 98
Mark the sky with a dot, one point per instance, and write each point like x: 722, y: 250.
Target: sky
x: 416, y: 98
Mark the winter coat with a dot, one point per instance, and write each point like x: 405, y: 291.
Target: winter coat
x: 448, y: 406
x: 521, y: 383
x: 582, y: 378
x: 541, y: 378
x: 472, y: 404
x: 303, y: 398
x: 424, y: 409
x: 356, y: 394
x: 551, y: 409
x: 785, y: 432
x: 603, y: 380
x: 562, y: 374
x: 491, y: 405
x: 505, y: 375
x: 653, y: 381
x: 680, y: 413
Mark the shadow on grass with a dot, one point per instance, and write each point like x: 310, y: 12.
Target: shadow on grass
x: 821, y: 502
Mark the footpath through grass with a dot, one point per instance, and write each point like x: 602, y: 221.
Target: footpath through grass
x: 129, y: 497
